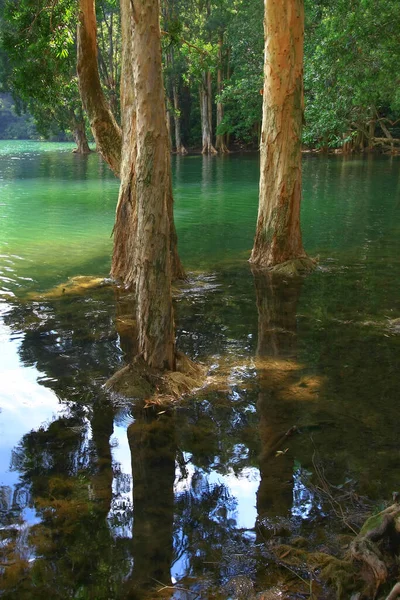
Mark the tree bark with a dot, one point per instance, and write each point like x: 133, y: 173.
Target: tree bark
x: 109, y: 140
x: 123, y: 259
x: 180, y: 148
x: 278, y: 234
x: 79, y: 133
x: 220, y: 142
x: 206, y: 123
x: 150, y: 193
x: 105, y: 130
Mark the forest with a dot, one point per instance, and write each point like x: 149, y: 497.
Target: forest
x: 213, y: 71
x: 199, y: 308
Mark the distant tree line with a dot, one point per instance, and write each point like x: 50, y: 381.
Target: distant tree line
x: 213, y: 71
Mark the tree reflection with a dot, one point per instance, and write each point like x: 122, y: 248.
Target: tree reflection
x: 277, y: 300
x: 69, y: 477
x: 153, y: 447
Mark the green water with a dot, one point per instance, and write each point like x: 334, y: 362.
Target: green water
x: 102, y: 500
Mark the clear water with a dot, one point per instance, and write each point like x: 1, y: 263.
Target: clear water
x: 215, y: 476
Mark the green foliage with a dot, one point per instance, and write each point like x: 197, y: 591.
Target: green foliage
x: 351, y: 67
x: 40, y: 46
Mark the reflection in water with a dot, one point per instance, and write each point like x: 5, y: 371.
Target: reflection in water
x: 67, y: 513
x: 153, y: 449
x: 277, y: 300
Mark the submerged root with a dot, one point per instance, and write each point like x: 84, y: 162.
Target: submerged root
x: 140, y: 382
x: 75, y: 286
x: 295, y: 267
x: 362, y: 570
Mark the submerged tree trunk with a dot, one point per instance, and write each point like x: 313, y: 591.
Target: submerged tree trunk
x: 110, y: 140
x: 150, y: 193
x: 79, y: 133
x: 278, y: 235
x: 106, y: 132
x: 206, y: 121
x: 220, y: 142
x: 123, y: 259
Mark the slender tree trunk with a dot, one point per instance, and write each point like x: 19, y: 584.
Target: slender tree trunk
x: 220, y: 142
x: 371, y: 133
x: 151, y: 193
x: 278, y: 234
x: 106, y: 132
x: 79, y: 133
x: 110, y: 140
x: 123, y: 259
x: 180, y: 148
x: 206, y: 125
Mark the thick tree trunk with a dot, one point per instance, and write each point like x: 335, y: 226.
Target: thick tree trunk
x: 110, y: 140
x: 278, y: 234
x: 206, y: 127
x: 220, y: 142
x: 151, y: 193
x: 106, y: 132
x: 180, y: 148
x: 79, y: 133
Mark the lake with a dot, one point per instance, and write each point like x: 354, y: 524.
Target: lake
x: 102, y: 499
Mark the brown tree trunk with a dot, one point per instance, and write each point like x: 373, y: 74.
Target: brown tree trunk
x: 180, y: 148
x: 220, y: 142
x: 79, y: 133
x: 206, y: 128
x: 278, y: 234
x: 106, y: 132
x: 123, y: 259
x: 110, y: 140
x: 150, y: 194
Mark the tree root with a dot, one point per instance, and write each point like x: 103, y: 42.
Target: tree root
x: 366, y: 565
x: 295, y: 267
x: 140, y: 382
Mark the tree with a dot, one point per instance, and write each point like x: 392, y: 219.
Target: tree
x: 41, y: 66
x: 352, y: 55
x: 145, y: 255
x: 278, y: 236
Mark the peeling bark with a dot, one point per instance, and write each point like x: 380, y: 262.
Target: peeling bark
x: 111, y: 142
x: 278, y: 235
x: 151, y: 191
x: 106, y: 132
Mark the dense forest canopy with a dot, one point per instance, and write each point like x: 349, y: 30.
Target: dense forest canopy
x: 213, y: 71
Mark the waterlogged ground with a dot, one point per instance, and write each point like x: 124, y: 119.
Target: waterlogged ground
x: 101, y: 499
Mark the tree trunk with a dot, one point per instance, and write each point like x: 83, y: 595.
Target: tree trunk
x: 206, y: 129
x: 278, y: 234
x: 110, y: 140
x: 150, y: 194
x: 79, y: 133
x: 123, y: 259
x: 220, y: 143
x: 180, y: 148
x: 105, y: 130
x: 371, y: 133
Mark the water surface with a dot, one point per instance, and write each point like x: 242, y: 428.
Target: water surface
x: 100, y: 499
